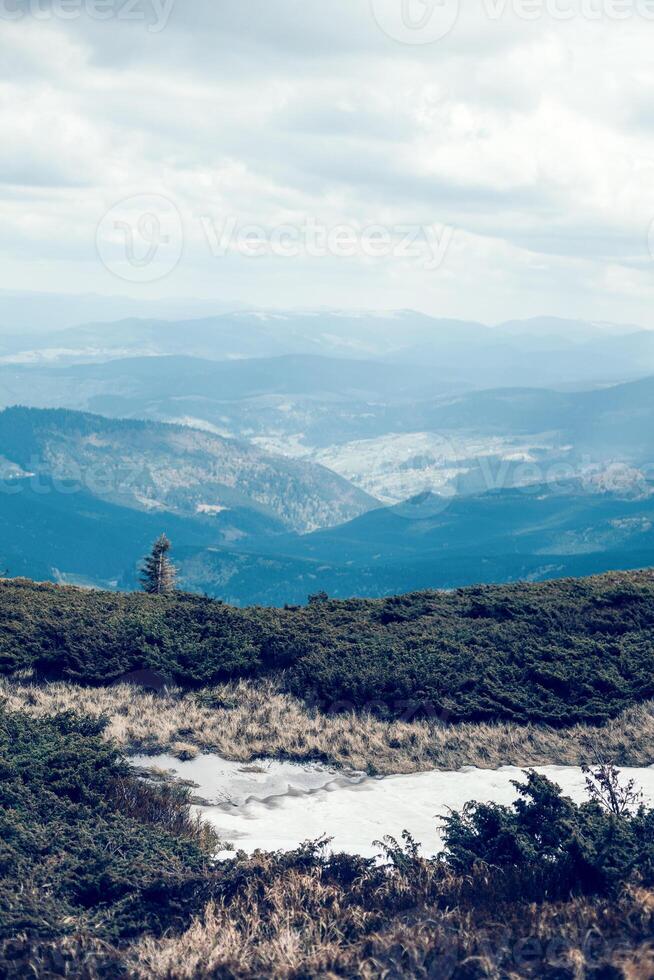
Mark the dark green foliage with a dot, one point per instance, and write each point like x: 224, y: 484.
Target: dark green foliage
x: 556, y: 652
x: 551, y: 846
x: 83, y: 848
x: 543, y: 847
x: 569, y: 848
x: 97, y: 637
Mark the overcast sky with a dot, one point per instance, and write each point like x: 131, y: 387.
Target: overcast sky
x: 507, y: 166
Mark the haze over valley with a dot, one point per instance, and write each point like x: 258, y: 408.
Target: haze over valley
x: 354, y: 453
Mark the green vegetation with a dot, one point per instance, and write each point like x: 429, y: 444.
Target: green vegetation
x: 554, y: 847
x: 158, y: 573
x: 84, y: 848
x: 104, y: 875
x: 557, y: 653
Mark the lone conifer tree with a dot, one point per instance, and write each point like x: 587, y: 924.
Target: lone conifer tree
x: 158, y: 573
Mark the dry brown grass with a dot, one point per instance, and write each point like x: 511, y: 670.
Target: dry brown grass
x: 293, y: 924
x: 300, y: 927
x: 245, y: 721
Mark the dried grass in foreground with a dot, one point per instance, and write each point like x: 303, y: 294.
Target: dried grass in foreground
x: 249, y: 720
x: 301, y: 927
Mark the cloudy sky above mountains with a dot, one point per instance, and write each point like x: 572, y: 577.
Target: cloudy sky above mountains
x: 295, y: 153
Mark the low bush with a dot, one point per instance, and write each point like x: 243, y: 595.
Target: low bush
x: 84, y: 847
x: 556, y: 653
x: 546, y: 847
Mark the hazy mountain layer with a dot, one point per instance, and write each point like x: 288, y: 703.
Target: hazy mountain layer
x: 543, y: 352
x: 497, y: 537
x: 390, y: 430
x: 161, y: 468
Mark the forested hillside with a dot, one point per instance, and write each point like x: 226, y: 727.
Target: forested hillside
x: 150, y: 466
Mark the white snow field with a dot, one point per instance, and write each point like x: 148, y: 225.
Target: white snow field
x: 274, y: 805
x: 222, y: 783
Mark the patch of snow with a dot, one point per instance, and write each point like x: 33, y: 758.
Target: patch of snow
x: 49, y: 355
x: 394, y: 467
x: 226, y: 785
x: 191, y: 422
x: 148, y: 503
x: 284, y: 445
x: 618, y: 478
x: 210, y: 508
x: 397, y: 466
x: 13, y: 471
x: 262, y: 315
x: 275, y: 805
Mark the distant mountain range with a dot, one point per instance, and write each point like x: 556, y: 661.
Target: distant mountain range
x: 497, y: 537
x: 500, y: 536
x: 23, y: 312
x: 101, y: 490
x: 391, y: 430
x: 286, y: 453
x: 150, y: 384
x: 545, y: 351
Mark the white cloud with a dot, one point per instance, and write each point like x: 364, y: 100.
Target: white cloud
x: 534, y: 140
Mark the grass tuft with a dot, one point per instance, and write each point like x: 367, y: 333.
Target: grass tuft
x: 245, y: 721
